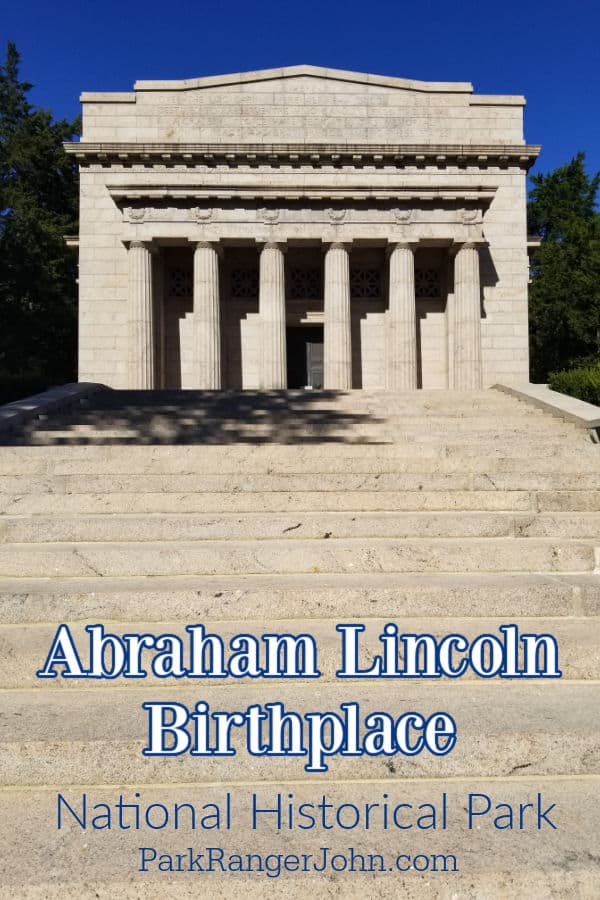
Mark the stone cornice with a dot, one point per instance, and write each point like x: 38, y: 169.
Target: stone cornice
x: 315, y: 155
x: 473, y: 194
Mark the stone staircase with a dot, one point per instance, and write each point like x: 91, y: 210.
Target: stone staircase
x: 444, y: 512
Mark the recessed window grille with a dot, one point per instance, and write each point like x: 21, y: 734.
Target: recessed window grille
x: 305, y: 284
x: 181, y: 282
x: 365, y: 283
x: 244, y: 284
x: 428, y: 283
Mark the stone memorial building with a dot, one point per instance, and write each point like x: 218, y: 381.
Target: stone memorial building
x: 303, y: 227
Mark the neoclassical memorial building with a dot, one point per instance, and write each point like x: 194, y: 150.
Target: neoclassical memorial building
x: 303, y: 227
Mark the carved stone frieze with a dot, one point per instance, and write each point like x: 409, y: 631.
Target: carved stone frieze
x: 303, y: 215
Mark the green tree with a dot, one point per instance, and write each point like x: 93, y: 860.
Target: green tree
x: 38, y: 206
x: 564, y: 298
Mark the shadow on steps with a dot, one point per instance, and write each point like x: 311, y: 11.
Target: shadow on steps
x: 200, y: 417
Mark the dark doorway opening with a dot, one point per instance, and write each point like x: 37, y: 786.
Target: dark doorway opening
x: 305, y: 357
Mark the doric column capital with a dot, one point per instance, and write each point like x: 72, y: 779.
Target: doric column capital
x: 142, y: 245
x: 336, y: 245
x: 274, y: 245
x: 469, y: 243
x: 401, y: 245
x: 209, y: 245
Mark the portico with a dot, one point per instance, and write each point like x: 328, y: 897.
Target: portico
x: 339, y: 286
x: 279, y: 254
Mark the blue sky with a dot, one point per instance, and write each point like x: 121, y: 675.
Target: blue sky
x: 547, y: 51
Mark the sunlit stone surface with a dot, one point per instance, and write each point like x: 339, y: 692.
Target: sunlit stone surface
x: 389, y: 216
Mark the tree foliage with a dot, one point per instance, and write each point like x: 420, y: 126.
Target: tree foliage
x: 38, y: 206
x: 564, y: 298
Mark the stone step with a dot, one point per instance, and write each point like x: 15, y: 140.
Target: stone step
x: 388, y: 422
x: 301, y: 501
x: 576, y: 501
x: 165, y: 456
x: 299, y: 556
x: 508, y: 864
x: 337, y: 439
x: 271, y: 597
x: 316, y: 412
x: 285, y: 437
x: 282, y: 501
x: 298, y: 399
x: 502, y: 728
x: 195, y: 457
x: 417, y: 467
x: 290, y: 527
x: 492, y: 437
x: 311, y: 412
x: 108, y: 459
x: 234, y: 483
x: 157, y: 429
x: 25, y: 648
x: 414, y: 464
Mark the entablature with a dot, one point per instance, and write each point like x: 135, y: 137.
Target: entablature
x: 451, y: 212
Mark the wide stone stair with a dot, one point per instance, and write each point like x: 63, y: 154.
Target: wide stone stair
x: 444, y: 512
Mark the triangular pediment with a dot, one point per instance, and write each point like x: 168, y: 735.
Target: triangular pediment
x: 287, y: 73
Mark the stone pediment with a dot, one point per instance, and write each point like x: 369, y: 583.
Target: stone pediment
x: 298, y: 76
x: 303, y: 105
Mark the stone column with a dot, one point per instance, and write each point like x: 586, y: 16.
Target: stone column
x: 338, y: 336
x: 467, y: 319
x: 207, y: 324
x: 140, y: 318
x: 271, y: 307
x: 401, y: 367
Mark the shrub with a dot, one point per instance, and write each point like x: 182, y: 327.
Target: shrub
x: 583, y: 383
